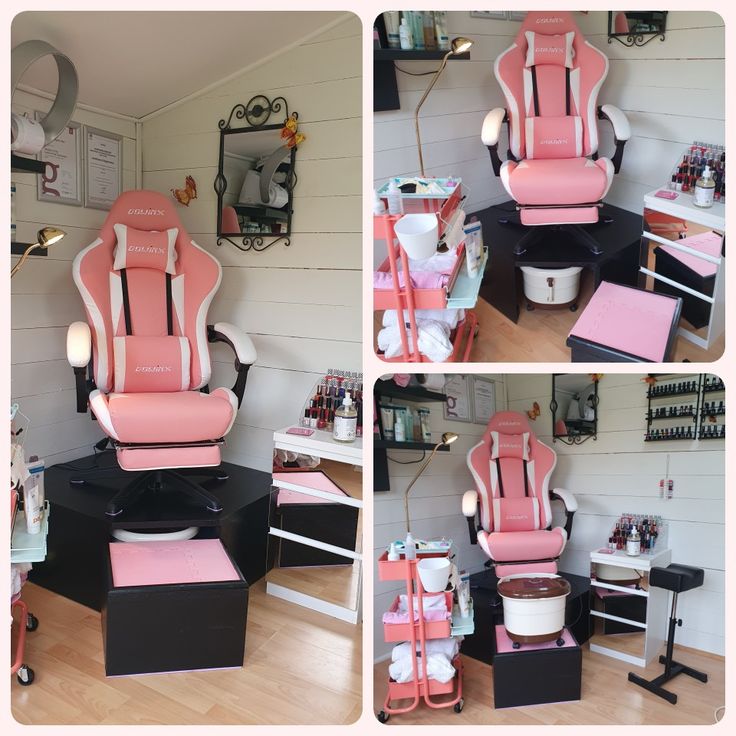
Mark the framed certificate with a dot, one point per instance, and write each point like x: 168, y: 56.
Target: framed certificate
x: 457, y: 406
x: 62, y: 179
x: 484, y: 399
x: 103, y: 171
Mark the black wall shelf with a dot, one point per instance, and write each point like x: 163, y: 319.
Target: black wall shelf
x: 410, y: 393
x: 21, y: 164
x: 395, y: 445
x: 18, y: 249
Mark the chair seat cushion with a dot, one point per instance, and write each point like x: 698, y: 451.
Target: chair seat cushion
x: 187, y: 416
x: 557, y: 181
x: 542, y: 544
x: 677, y: 578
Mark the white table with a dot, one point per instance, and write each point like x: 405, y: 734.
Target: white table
x: 322, y: 445
x: 713, y: 218
x: 655, y: 624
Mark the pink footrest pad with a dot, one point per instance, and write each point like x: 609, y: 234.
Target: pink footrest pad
x: 167, y: 563
x: 627, y: 319
x: 505, y: 645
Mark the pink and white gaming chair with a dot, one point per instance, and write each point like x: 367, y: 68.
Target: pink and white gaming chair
x: 511, y: 469
x: 550, y: 77
x: 142, y: 360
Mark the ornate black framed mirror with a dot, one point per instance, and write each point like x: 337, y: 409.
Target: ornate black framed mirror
x: 636, y: 27
x: 256, y: 174
x: 574, y: 407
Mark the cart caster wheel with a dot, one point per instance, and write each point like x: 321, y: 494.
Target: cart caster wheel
x: 529, y: 307
x: 383, y: 716
x: 560, y: 642
x: 458, y: 707
x: 25, y: 675
x: 573, y: 307
x: 516, y: 645
x: 31, y: 622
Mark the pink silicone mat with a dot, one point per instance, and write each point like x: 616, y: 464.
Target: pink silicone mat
x: 634, y: 321
x: 505, y: 645
x: 162, y: 563
x: 709, y: 243
x: 317, y: 480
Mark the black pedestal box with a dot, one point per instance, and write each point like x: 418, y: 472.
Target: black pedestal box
x: 535, y: 676
x: 168, y: 628
x: 694, y: 310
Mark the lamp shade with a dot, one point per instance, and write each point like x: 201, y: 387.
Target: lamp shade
x: 448, y: 438
x: 460, y: 45
x: 49, y: 235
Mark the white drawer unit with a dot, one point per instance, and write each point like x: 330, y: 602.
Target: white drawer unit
x: 655, y: 623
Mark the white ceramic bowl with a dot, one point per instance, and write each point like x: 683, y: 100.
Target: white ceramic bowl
x: 418, y: 235
x: 434, y: 572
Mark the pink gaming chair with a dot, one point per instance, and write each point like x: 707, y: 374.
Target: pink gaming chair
x: 550, y: 77
x: 142, y: 360
x: 512, y: 468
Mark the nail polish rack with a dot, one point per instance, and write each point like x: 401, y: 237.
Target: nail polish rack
x: 689, y: 168
x: 652, y: 532
x: 318, y: 411
x: 694, y: 416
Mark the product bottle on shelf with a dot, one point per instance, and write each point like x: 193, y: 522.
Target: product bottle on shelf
x: 406, y: 39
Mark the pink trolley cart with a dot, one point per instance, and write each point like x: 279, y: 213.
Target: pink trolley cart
x: 419, y: 631
x: 460, y: 291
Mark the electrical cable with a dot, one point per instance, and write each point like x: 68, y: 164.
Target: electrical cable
x: 407, y: 462
x: 413, y: 74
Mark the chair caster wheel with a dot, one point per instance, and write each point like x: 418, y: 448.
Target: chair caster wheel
x: 221, y: 476
x: 458, y: 707
x: 503, y: 220
x: 31, y: 622
x: 25, y: 675
x: 516, y: 645
x: 529, y: 307
x: 383, y: 716
x: 77, y: 481
x: 607, y: 219
x: 573, y: 307
x: 560, y: 642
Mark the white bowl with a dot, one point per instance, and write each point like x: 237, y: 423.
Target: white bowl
x: 418, y: 235
x: 434, y: 572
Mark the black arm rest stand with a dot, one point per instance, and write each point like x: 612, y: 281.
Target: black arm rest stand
x: 618, y: 154
x: 242, y: 370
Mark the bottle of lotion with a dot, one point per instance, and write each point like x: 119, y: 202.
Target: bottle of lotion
x: 705, y: 189
x: 395, y: 204
x: 410, y: 547
x: 346, y: 421
x: 405, y: 36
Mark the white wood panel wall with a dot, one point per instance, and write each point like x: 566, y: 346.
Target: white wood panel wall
x: 434, y: 505
x: 620, y: 473
x: 301, y: 304
x: 672, y: 92
x: 45, y: 301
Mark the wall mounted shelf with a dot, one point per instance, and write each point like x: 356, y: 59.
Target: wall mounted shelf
x: 18, y: 249
x: 21, y: 164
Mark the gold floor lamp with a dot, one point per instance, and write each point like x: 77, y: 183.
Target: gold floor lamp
x: 459, y: 45
x: 447, y: 439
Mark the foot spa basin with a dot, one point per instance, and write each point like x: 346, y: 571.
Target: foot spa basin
x: 534, y: 607
x: 616, y: 575
x: 550, y: 288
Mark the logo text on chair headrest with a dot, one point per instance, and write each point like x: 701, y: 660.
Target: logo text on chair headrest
x: 137, y: 211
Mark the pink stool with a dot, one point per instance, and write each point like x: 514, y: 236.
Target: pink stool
x: 623, y: 324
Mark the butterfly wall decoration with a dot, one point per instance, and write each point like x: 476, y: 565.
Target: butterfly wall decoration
x: 187, y: 194
x: 534, y: 412
x: 289, y: 133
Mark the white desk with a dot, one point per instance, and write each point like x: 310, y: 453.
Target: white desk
x: 713, y: 218
x: 322, y: 445
x: 655, y: 625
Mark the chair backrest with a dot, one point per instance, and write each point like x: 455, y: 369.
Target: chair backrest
x: 550, y: 77
x: 146, y: 287
x: 511, y: 469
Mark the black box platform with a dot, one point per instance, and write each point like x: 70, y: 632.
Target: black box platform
x: 488, y: 612
x: 536, y: 673
x: 79, y: 531
x: 174, y: 627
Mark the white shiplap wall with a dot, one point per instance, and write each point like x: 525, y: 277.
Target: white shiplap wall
x: 45, y: 301
x: 672, y: 92
x: 434, y: 504
x: 620, y: 473
x: 300, y: 304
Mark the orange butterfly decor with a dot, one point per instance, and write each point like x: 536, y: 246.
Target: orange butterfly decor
x: 186, y: 195
x: 534, y: 412
x: 289, y: 135
x: 595, y: 377
x: 649, y: 380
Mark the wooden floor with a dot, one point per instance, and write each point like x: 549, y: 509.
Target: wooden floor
x: 338, y: 584
x: 300, y: 667
x: 607, y: 697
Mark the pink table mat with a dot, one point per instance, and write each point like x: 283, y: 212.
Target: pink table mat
x: 708, y: 243
x: 162, y: 563
x: 504, y: 644
x: 634, y: 321
x: 319, y: 481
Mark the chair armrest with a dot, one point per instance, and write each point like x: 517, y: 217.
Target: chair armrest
x: 470, y: 508
x: 79, y: 353
x: 570, y: 503
x: 241, y: 345
x: 490, y: 133
x: 621, y: 131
